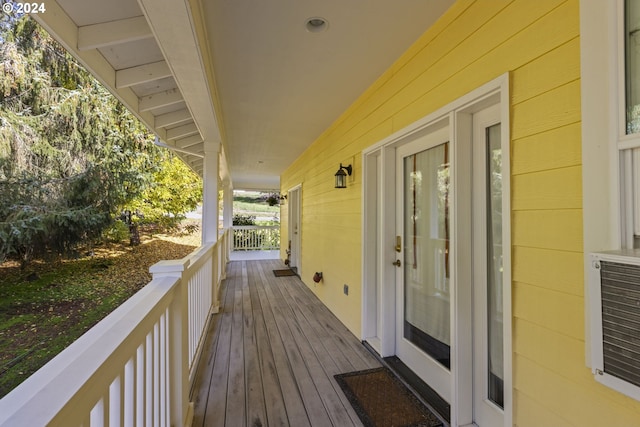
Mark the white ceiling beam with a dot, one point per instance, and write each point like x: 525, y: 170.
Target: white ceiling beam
x: 198, y: 148
x: 161, y: 99
x: 188, y: 141
x: 189, y: 159
x: 182, y: 131
x: 142, y: 74
x: 179, y: 150
x: 110, y: 33
x: 173, y: 118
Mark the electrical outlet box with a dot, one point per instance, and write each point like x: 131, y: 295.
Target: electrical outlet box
x: 346, y: 289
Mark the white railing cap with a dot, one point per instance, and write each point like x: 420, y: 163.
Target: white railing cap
x: 170, y: 267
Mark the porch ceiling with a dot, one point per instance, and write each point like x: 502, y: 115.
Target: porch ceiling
x: 247, y: 74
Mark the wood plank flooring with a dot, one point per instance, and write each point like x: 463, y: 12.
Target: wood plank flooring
x: 271, y: 354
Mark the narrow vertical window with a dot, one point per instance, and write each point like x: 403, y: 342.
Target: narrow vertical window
x: 494, y: 266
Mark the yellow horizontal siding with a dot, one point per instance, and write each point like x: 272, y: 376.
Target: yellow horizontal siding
x: 547, y: 111
x: 558, y: 25
x: 550, y: 229
x: 538, y: 43
x: 284, y: 228
x: 552, y: 149
x: 533, y: 414
x: 553, y: 310
x: 552, y: 189
x: 562, y: 354
x: 556, y: 270
x: 581, y: 406
x: 547, y: 72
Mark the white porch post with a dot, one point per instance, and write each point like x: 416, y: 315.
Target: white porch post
x: 181, y: 409
x: 210, y: 176
x: 210, y: 196
x: 227, y: 214
x: 228, y: 204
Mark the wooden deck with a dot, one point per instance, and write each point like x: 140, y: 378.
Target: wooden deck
x: 271, y: 354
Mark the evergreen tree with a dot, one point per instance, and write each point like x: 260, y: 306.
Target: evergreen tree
x: 71, y: 155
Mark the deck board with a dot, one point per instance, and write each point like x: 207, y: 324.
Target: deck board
x: 270, y: 356
x: 236, y: 385
x: 217, y: 397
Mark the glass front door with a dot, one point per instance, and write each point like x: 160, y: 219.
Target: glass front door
x: 423, y: 243
x: 426, y: 255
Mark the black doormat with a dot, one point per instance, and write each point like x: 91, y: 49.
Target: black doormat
x: 284, y: 272
x: 381, y: 400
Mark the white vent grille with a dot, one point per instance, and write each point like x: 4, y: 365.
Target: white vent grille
x: 614, y: 293
x: 620, y: 285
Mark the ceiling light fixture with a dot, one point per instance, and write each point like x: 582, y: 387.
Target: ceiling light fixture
x: 316, y: 25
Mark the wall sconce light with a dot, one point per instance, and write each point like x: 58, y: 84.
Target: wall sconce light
x: 341, y: 176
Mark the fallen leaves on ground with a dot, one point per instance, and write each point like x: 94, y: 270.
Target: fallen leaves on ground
x: 50, y: 304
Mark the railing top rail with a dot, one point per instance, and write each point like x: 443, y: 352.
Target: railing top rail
x: 254, y: 227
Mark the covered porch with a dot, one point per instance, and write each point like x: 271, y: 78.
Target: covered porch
x: 150, y: 361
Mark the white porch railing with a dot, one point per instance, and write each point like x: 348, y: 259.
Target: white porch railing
x: 256, y: 237
x: 135, y: 367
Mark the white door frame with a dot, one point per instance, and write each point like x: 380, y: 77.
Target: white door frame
x: 379, y: 283
x: 294, y: 196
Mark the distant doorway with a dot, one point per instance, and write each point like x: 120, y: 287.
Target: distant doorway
x: 295, y: 241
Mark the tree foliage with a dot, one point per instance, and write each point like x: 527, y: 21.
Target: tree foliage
x: 175, y: 189
x: 71, y: 155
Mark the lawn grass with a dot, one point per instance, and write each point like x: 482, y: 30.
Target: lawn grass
x: 50, y: 304
x: 47, y: 306
x: 253, y: 203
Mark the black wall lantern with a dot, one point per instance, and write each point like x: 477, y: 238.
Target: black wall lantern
x: 341, y: 176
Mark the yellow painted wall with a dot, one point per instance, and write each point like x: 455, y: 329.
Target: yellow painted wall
x: 474, y: 42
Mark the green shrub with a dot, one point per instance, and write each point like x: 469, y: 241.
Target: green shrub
x: 240, y: 219
x: 117, y: 232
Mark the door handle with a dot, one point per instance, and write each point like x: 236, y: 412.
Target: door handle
x: 397, y: 263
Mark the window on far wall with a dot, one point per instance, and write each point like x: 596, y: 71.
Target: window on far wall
x: 632, y: 66
x: 629, y: 122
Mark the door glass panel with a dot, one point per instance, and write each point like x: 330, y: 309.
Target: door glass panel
x: 494, y: 265
x: 426, y: 252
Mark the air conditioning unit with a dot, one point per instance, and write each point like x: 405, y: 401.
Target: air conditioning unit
x: 614, y: 298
